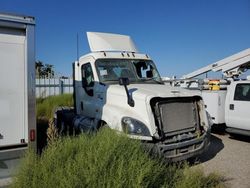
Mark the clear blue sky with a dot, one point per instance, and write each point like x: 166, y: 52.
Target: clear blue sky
x: 180, y: 35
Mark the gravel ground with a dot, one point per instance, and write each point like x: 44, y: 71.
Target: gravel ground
x: 4, y: 183
x: 230, y: 157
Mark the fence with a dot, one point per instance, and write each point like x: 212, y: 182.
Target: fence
x: 53, y: 86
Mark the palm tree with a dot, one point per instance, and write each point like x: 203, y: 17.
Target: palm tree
x: 49, y: 72
x: 44, y: 70
x: 39, y: 68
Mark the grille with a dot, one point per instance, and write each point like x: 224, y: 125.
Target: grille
x: 177, y: 116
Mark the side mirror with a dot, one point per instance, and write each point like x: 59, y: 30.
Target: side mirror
x: 90, y: 92
x: 124, y: 81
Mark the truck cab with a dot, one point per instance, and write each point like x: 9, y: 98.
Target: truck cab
x: 237, y: 108
x: 119, y: 87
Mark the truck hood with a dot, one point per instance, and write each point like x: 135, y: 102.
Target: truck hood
x: 115, y: 107
x: 143, y: 91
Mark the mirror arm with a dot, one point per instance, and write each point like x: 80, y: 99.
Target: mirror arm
x: 125, y: 82
x: 131, y: 102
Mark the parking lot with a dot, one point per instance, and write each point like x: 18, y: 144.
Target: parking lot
x: 230, y: 157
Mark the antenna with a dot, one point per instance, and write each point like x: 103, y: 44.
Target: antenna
x: 77, y: 47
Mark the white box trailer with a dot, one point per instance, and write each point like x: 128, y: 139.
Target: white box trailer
x: 17, y: 88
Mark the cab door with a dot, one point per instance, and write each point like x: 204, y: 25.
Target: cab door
x: 88, y: 95
x: 238, y: 105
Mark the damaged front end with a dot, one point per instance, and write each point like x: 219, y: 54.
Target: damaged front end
x: 182, y: 125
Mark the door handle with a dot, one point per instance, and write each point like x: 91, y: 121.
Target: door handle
x: 1, y: 136
x: 231, y: 106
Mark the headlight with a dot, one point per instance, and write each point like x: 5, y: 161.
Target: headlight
x: 134, y: 127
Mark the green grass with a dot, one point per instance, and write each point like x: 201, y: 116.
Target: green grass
x: 105, y: 159
x: 100, y: 160
x: 45, y: 106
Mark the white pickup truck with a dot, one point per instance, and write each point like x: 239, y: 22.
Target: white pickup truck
x: 118, y: 87
x: 237, y: 105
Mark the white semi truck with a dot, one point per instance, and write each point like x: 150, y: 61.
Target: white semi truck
x: 118, y: 87
x: 17, y: 90
x: 227, y: 100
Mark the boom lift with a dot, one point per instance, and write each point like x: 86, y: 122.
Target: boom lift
x: 231, y: 67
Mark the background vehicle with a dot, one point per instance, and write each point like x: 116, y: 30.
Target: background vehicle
x: 17, y: 89
x: 118, y: 87
x: 227, y: 100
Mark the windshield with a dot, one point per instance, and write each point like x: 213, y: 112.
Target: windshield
x: 136, y: 70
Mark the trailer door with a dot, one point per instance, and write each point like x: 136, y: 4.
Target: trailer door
x: 13, y: 103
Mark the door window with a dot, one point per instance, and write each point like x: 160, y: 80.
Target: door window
x: 87, y: 79
x: 242, y: 92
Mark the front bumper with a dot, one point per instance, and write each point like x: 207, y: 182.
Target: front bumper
x: 232, y: 130
x: 181, y: 150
